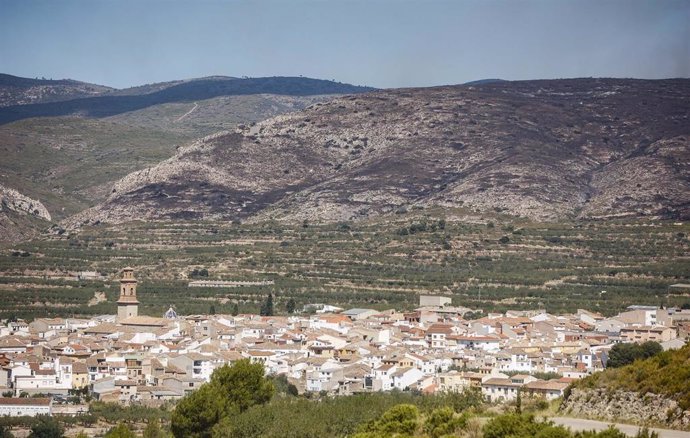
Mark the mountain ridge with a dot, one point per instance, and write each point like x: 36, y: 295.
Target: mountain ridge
x: 118, y: 102
x: 16, y: 90
x: 548, y: 150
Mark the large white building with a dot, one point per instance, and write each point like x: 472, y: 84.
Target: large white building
x: 30, y: 407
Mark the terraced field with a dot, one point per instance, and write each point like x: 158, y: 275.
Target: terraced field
x: 484, y: 263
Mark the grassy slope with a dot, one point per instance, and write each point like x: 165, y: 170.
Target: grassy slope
x: 69, y: 163
x: 559, y: 267
x: 213, y: 115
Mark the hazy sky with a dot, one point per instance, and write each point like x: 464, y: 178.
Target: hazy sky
x: 381, y: 43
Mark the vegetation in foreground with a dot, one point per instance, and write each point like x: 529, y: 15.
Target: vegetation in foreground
x: 240, y: 402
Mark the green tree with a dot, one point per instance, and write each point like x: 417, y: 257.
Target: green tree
x: 291, y: 305
x: 212, y: 310
x: 235, y: 310
x: 197, y: 413
x: 243, y: 384
x: 120, y: 431
x: 232, y: 390
x: 627, y: 353
x: 46, y: 427
x: 267, y: 306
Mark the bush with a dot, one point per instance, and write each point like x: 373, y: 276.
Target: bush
x: 46, y: 427
x: 401, y: 419
x: 522, y: 426
x: 120, y: 431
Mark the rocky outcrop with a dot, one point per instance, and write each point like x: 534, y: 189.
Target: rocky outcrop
x: 623, y: 406
x: 12, y: 200
x: 21, y: 217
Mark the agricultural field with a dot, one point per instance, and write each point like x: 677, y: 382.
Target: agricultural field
x: 485, y: 263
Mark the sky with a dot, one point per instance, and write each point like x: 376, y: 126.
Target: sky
x: 380, y: 43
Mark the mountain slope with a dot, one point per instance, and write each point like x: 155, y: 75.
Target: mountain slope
x: 71, y: 163
x: 185, y: 91
x: 590, y: 148
x: 16, y: 90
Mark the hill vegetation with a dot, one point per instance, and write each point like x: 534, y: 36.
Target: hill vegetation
x: 666, y: 373
x: 648, y: 391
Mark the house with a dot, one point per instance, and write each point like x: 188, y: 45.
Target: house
x: 80, y: 375
x: 647, y: 333
x: 486, y: 343
x: 196, y: 366
x: 359, y: 314
x: 549, y: 389
x: 498, y: 389
x: 434, y: 301
x: 437, y: 335
x: 46, y: 327
x: 456, y: 381
x: 11, y: 344
x: 404, y: 378
x: 128, y: 390
x: 25, y: 407
x: 325, y: 378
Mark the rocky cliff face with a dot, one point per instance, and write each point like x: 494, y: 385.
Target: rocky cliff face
x: 12, y: 200
x: 584, y: 148
x: 20, y: 216
x: 622, y: 406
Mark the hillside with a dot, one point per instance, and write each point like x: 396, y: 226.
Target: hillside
x: 183, y: 91
x: 70, y: 163
x: 16, y: 90
x: 653, y: 390
x: 20, y: 216
x: 547, y: 150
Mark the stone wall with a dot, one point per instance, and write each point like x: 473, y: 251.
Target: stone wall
x: 622, y: 406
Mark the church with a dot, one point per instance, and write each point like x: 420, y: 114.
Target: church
x: 127, y: 304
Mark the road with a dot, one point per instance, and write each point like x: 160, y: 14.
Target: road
x: 188, y: 112
x: 578, y: 424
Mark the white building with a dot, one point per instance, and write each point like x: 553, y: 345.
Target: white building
x: 30, y: 407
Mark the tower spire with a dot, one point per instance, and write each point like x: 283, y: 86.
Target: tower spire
x: 127, y: 304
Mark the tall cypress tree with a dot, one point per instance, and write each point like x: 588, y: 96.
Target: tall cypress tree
x: 267, y: 306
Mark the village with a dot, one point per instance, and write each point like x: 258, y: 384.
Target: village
x: 134, y: 359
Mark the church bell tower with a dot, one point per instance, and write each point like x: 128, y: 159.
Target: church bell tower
x: 127, y: 305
